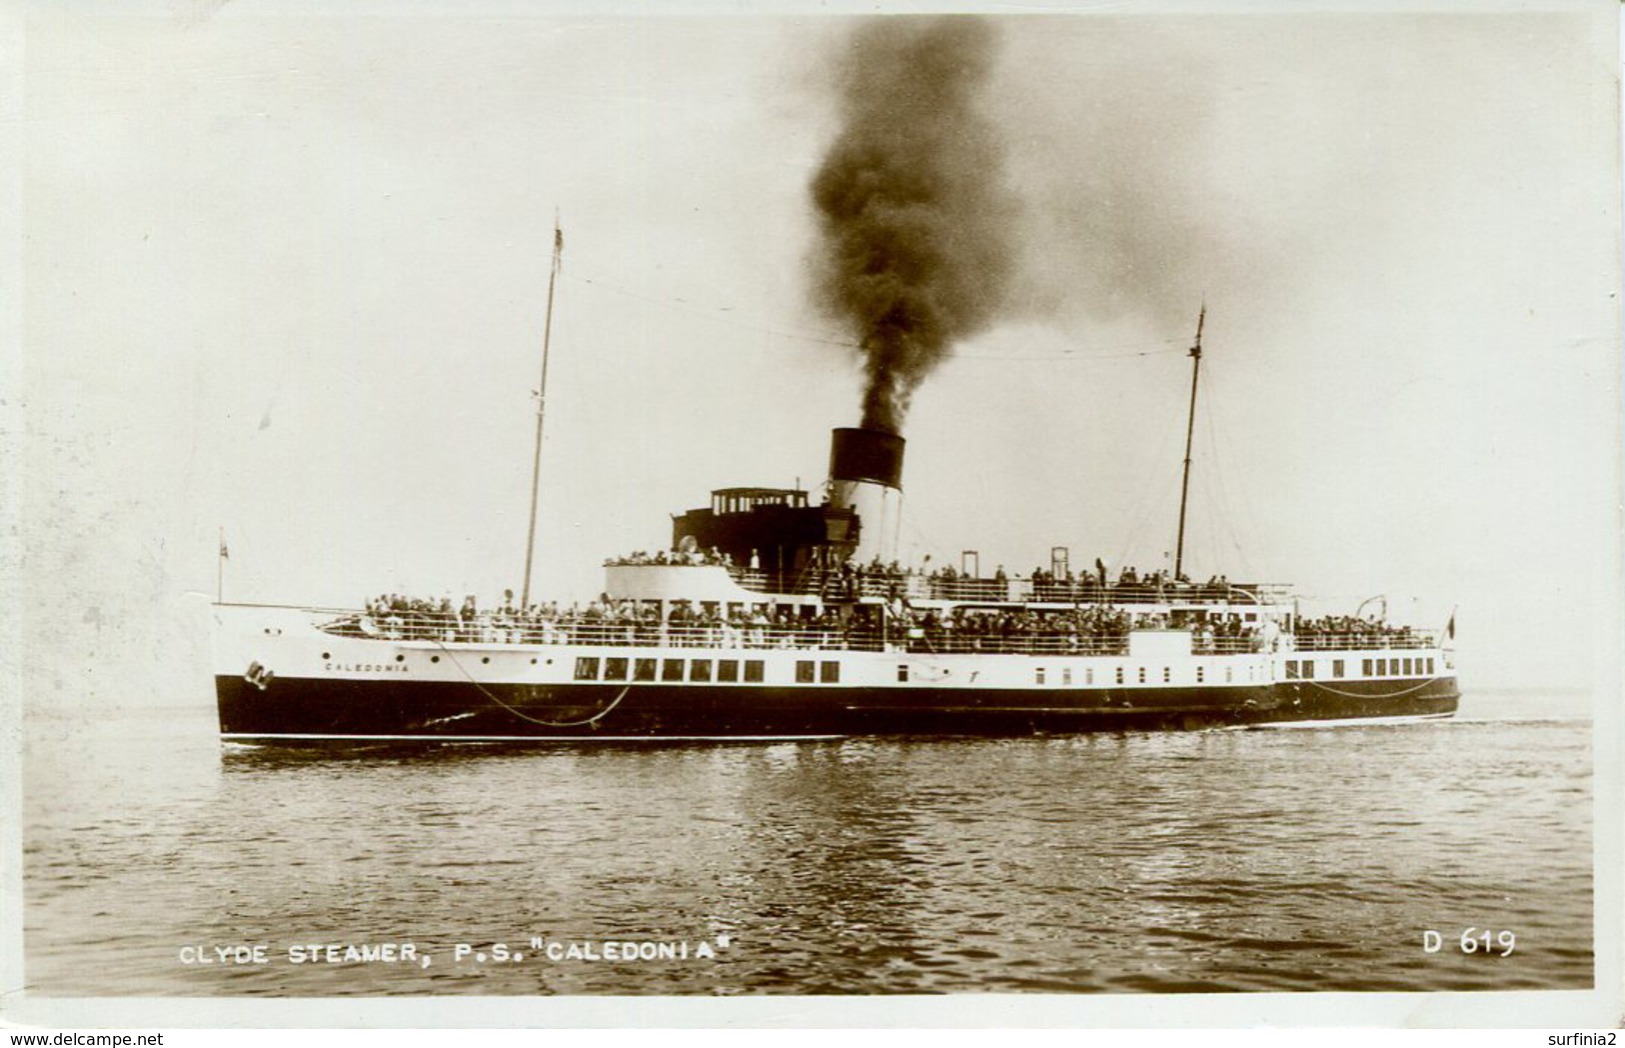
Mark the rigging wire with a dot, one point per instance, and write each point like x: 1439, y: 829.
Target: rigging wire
x: 1158, y: 499
x: 713, y: 314
x: 1223, y: 465
x: 1153, y: 493
x: 1221, y: 516
x: 1213, y: 507
x: 1153, y: 496
x: 1221, y: 509
x: 1175, y: 344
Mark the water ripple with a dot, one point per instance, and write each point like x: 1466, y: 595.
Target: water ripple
x: 1203, y: 863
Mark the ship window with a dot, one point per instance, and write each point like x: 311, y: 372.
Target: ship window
x: 1200, y: 674
x: 1228, y: 676
x: 1038, y: 675
x: 1365, y: 667
x: 1337, y: 667
x: 1142, y: 674
x: 1089, y: 675
x: 586, y: 669
x: 1407, y: 667
x: 1066, y: 675
x: 671, y: 669
x: 1393, y: 667
x: 829, y: 672
x: 1307, y: 670
x: 1430, y: 667
x: 728, y: 670
x: 643, y: 669
x: 699, y: 669
x: 1167, y: 674
x: 1291, y: 669
x: 753, y: 671
x: 1119, y: 674
x: 902, y: 672
x: 614, y: 669
x: 804, y: 672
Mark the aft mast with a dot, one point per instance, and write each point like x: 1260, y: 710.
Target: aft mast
x: 541, y: 412
x: 1190, y: 430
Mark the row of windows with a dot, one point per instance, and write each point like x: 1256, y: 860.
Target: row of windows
x: 1304, y: 669
x: 727, y: 671
x: 698, y: 671
x: 828, y: 672
x: 1040, y: 675
x: 1397, y: 667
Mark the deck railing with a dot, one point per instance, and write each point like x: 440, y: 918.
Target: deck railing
x: 1403, y: 638
x: 768, y: 636
x: 838, y: 586
x: 776, y: 636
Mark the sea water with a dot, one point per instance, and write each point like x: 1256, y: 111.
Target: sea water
x: 160, y: 862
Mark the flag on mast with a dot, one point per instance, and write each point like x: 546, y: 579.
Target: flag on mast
x: 220, y: 569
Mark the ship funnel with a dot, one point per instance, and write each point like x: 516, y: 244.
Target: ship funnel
x: 866, y: 476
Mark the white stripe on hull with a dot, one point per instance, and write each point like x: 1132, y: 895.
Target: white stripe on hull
x: 1348, y: 722
x: 273, y: 737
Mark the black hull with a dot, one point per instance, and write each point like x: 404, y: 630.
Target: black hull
x: 293, y: 710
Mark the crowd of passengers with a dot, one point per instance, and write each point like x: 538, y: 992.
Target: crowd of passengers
x: 1093, y: 629
x: 1338, y: 632
x: 1130, y: 586
x: 601, y: 621
x: 852, y: 579
x: 683, y: 558
x: 1089, y: 630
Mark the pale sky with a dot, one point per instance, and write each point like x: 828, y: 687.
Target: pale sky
x: 286, y: 276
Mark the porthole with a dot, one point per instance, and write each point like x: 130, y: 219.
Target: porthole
x: 434, y: 658
x: 400, y: 658
x: 327, y: 655
x: 485, y: 658
x: 533, y: 662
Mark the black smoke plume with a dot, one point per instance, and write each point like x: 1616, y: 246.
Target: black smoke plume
x: 915, y: 220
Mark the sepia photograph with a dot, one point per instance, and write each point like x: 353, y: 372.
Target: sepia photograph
x: 1081, y: 515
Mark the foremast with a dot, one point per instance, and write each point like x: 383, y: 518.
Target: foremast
x: 541, y: 412
x: 1190, y: 431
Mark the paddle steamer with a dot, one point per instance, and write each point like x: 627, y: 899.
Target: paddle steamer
x: 771, y: 617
